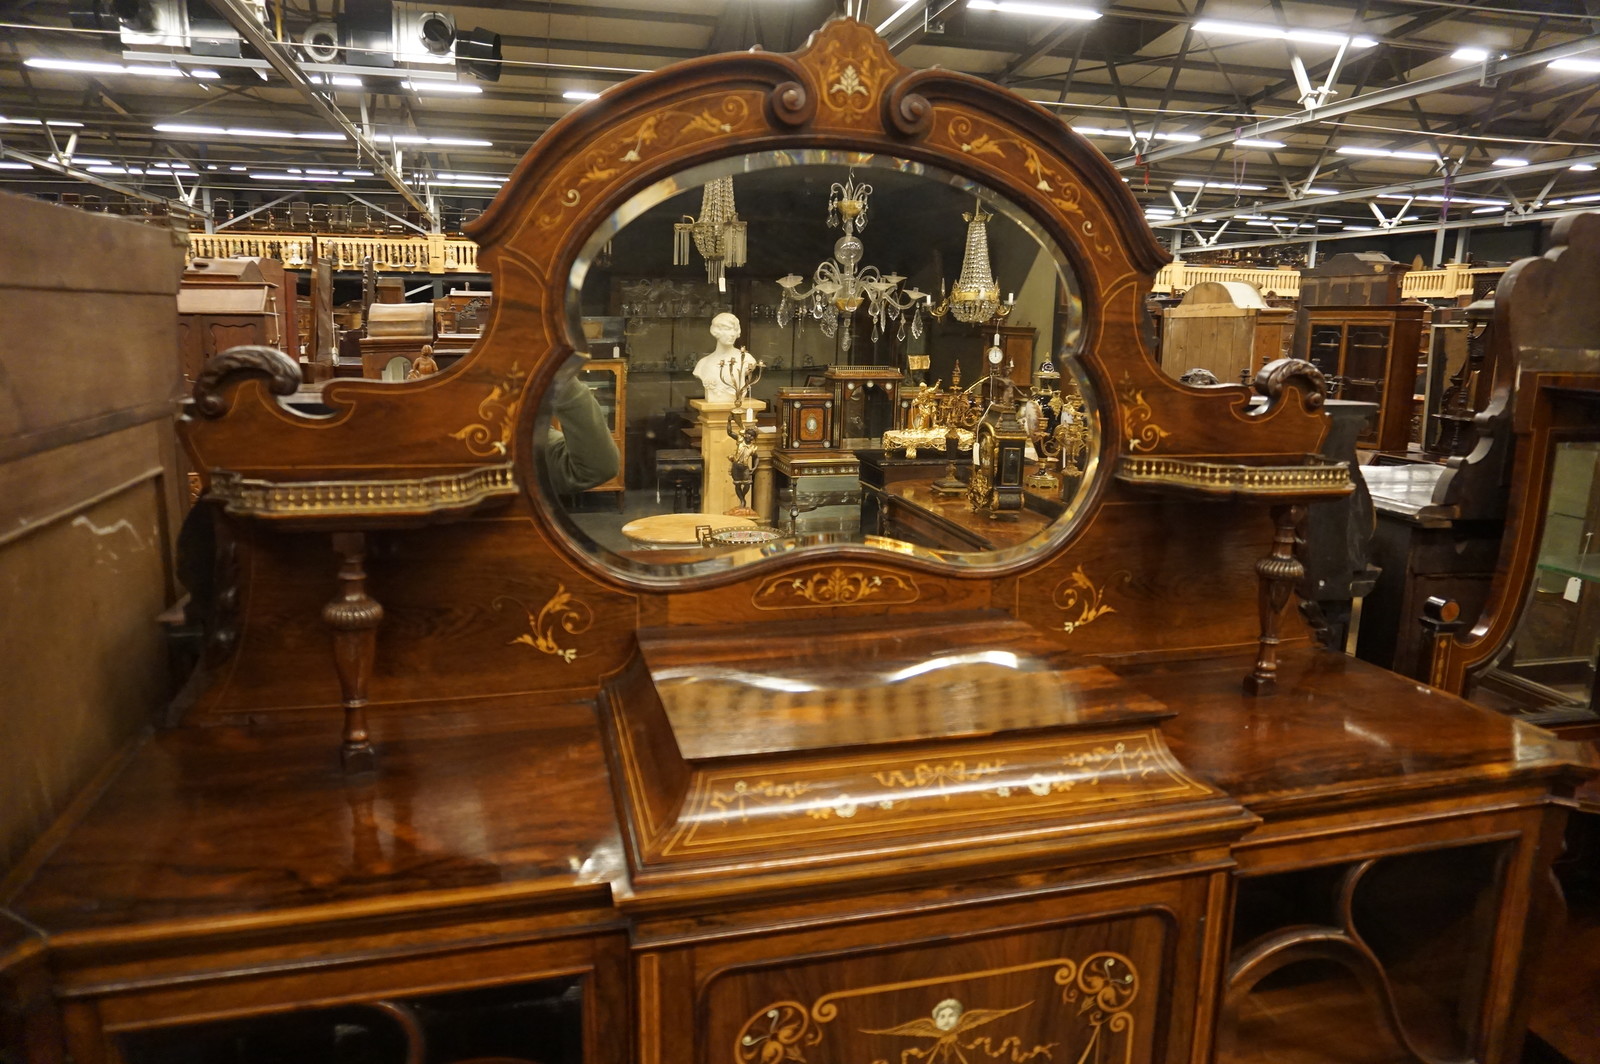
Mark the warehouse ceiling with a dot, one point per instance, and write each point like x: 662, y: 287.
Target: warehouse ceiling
x: 1236, y: 122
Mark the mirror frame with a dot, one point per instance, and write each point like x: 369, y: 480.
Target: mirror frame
x: 543, y: 496
x: 442, y: 448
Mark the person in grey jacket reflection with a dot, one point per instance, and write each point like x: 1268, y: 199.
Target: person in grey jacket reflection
x: 581, y: 453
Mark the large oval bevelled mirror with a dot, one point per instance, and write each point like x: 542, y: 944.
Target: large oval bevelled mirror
x: 812, y: 348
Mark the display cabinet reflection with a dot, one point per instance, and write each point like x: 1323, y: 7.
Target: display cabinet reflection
x: 828, y: 348
x: 1547, y: 670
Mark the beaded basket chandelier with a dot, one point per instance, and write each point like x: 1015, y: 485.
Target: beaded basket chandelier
x: 976, y: 295
x: 717, y: 234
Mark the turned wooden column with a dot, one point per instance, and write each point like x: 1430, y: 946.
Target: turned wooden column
x: 1277, y: 575
x: 354, y: 617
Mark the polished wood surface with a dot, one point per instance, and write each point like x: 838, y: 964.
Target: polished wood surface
x: 463, y: 809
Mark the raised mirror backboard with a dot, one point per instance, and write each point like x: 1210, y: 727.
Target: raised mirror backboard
x: 793, y: 349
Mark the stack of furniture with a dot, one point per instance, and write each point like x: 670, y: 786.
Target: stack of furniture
x: 1224, y: 327
x: 225, y: 303
x: 395, y: 336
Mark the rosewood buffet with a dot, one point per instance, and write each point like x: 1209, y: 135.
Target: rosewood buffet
x: 462, y: 784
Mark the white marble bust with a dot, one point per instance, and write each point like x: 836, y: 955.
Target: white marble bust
x: 725, y: 329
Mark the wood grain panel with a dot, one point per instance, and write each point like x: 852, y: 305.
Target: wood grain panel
x: 83, y: 655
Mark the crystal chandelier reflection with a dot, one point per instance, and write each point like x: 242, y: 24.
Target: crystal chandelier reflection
x: 717, y: 234
x: 976, y: 295
x: 841, y: 284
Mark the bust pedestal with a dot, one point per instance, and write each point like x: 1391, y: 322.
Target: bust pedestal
x: 716, y: 448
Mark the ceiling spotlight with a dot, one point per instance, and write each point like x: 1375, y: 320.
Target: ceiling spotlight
x: 478, y: 53
x: 437, y: 32
x: 1023, y: 7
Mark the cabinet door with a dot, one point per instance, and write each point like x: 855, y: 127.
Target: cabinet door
x: 1326, y: 350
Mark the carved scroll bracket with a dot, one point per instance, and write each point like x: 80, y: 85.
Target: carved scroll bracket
x: 1276, y: 376
x: 238, y: 364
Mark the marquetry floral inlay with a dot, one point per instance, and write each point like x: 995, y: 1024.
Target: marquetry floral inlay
x: 498, y: 411
x: 1142, y: 433
x: 849, y: 83
x: 1096, y: 1014
x: 648, y: 137
x: 1049, y: 176
x: 835, y: 587
x: 1079, y: 593
x: 562, y: 613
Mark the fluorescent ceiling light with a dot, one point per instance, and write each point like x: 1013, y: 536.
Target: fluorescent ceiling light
x: 35, y: 122
x: 467, y: 184
x: 1591, y: 198
x: 1385, y: 153
x: 451, y: 142
x: 1508, y: 161
x: 1582, y: 66
x: 296, y: 178
x: 143, y: 70
x: 1437, y: 198
x: 337, y: 69
x: 1251, y: 217
x: 463, y: 87
x: 116, y: 170
x: 1358, y: 228
x: 1185, y: 138
x: 1189, y: 182
x: 1582, y: 167
x: 235, y: 131
x: 580, y: 94
x: 1321, y: 191
x: 356, y: 173
x: 238, y: 169
x: 6, y: 164
x: 1470, y: 55
x: 343, y: 81
x: 1248, y: 29
x: 1331, y: 221
x: 1023, y: 7
x: 446, y: 176
x: 1487, y: 210
x: 1251, y: 142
